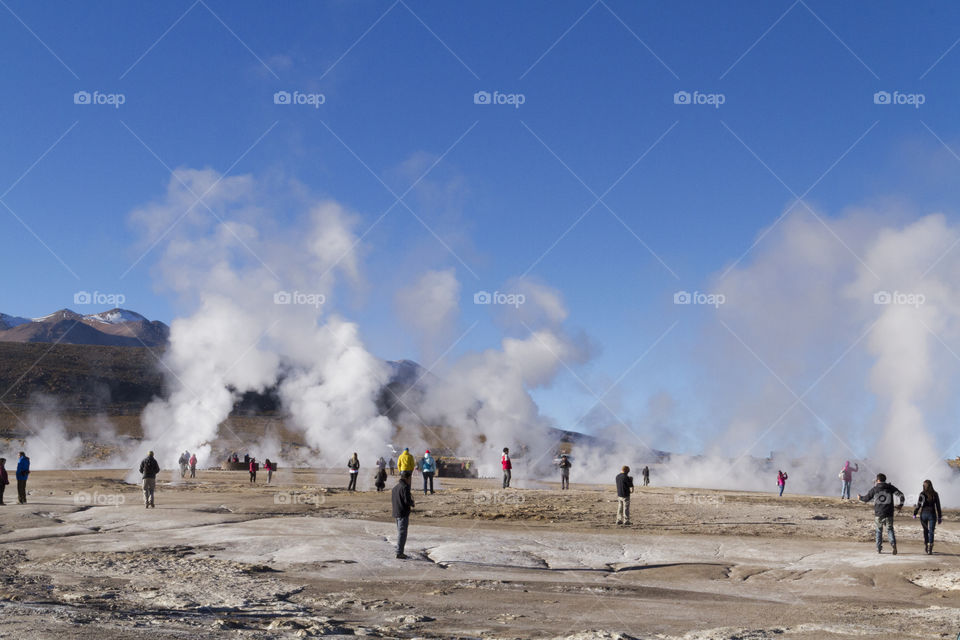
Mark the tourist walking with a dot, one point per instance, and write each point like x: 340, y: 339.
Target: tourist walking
x: 507, y: 466
x: 393, y: 467
x: 624, y: 489
x: 183, y: 461
x: 253, y: 470
x: 781, y: 480
x: 149, y: 468
x: 402, y: 499
x: 193, y: 465
x: 846, y: 477
x: 564, y: 465
x: 353, y: 464
x: 268, y: 467
x: 928, y: 506
x: 381, y: 463
x: 428, y: 467
x: 646, y: 475
x: 882, y: 493
x: 405, y: 461
x: 4, y: 478
x: 23, y: 470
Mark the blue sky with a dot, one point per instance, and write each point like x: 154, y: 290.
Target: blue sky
x: 694, y: 183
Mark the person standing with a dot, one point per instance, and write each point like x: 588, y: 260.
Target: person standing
x: 253, y: 470
x: 149, y: 468
x: 402, y: 499
x: 183, y: 461
x: 564, y: 465
x: 393, y: 467
x: 381, y: 463
x: 193, y: 465
x: 646, y: 475
x: 353, y: 464
x: 846, y: 477
x: 428, y: 467
x: 23, y: 470
x: 883, y: 493
x: 405, y: 462
x: 928, y: 506
x: 624, y: 489
x: 268, y: 467
x: 781, y: 480
x: 4, y: 478
x: 507, y: 466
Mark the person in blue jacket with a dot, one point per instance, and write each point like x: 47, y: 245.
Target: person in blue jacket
x: 23, y: 470
x: 428, y: 467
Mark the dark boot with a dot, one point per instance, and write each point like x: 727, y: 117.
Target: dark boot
x: 894, y: 545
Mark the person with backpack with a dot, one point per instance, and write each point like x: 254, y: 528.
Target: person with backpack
x: 507, y: 466
x: 149, y: 468
x: 428, y: 467
x: 564, y: 465
x: 353, y: 464
x: 928, y: 506
x: 882, y: 494
x: 624, y: 489
x: 782, y: 480
x: 846, y: 477
x: 380, y: 479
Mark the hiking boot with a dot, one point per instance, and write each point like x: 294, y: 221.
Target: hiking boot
x: 879, y: 549
x: 894, y: 545
x: 401, y: 556
x: 930, y: 550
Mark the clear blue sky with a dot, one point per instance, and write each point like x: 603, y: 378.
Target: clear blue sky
x: 598, y: 80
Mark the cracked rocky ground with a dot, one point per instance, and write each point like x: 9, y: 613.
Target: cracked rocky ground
x: 302, y: 558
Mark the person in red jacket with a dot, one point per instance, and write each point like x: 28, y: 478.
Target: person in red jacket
x: 4, y: 479
x: 253, y: 470
x: 507, y: 466
x: 193, y: 465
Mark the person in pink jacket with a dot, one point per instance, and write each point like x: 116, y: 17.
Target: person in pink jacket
x: 507, y: 467
x: 846, y: 476
x: 782, y: 480
x: 4, y: 478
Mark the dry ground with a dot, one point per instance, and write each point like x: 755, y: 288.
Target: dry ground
x: 304, y: 558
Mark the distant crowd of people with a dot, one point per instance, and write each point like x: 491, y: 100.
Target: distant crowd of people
x: 886, y: 497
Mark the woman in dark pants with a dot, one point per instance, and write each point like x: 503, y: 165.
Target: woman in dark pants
x: 928, y: 506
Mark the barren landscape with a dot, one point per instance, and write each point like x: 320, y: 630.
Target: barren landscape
x: 304, y: 558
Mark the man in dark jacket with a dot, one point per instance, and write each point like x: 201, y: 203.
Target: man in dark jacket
x: 624, y: 489
x: 149, y: 468
x: 402, y: 499
x: 23, y: 470
x: 882, y: 494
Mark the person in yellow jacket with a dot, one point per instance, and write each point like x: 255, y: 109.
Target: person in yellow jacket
x: 406, y: 462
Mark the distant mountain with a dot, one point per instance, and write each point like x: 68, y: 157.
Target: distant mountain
x: 115, y: 328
